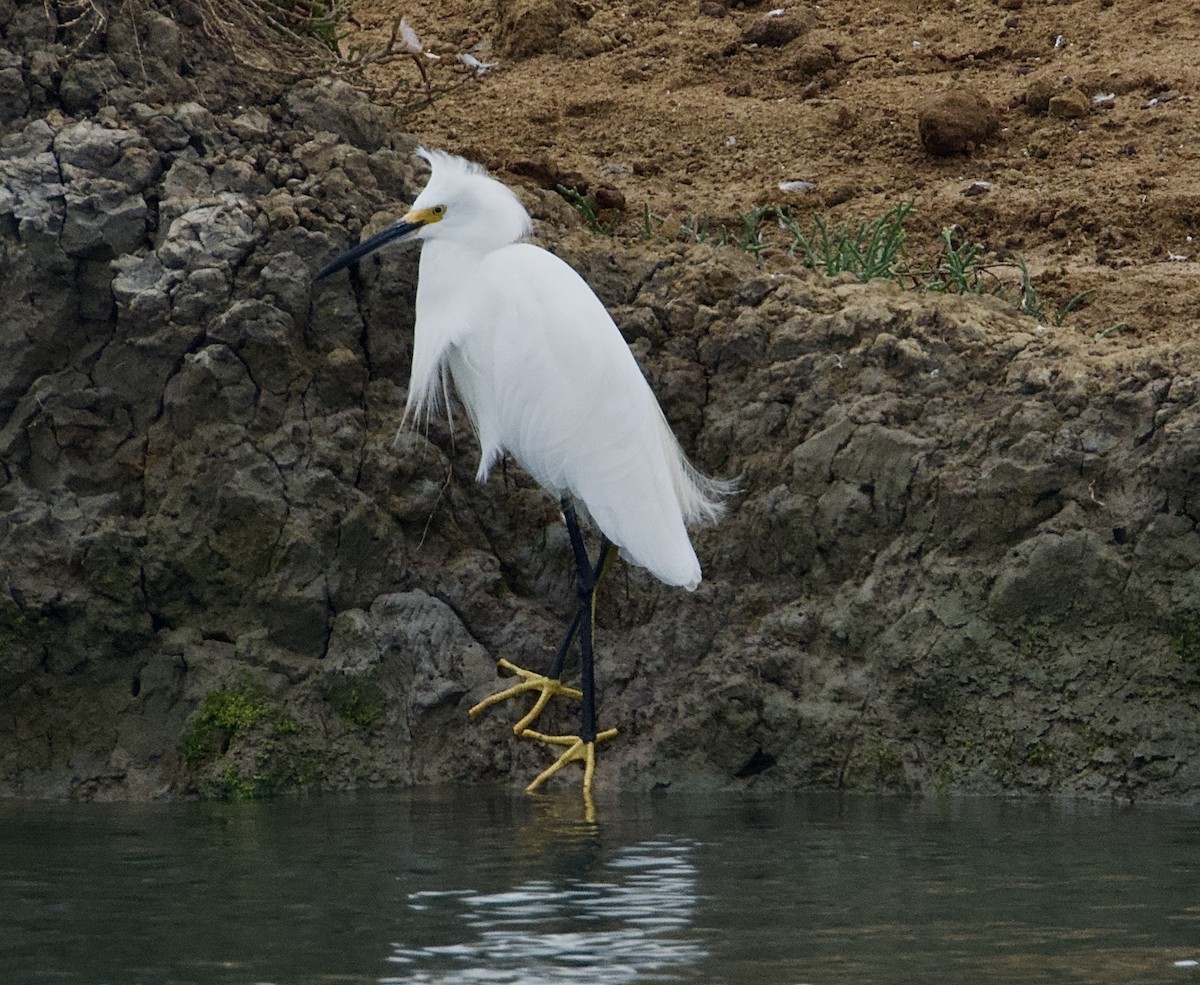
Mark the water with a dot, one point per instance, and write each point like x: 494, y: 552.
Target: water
x: 487, y: 886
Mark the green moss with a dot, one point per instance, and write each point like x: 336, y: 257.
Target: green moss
x: 230, y: 784
x: 889, y: 769
x: 242, y: 746
x: 938, y: 693
x: 223, y: 715
x: 18, y: 628
x: 276, y: 766
x: 1037, y: 753
x: 1185, y: 639
x: 358, y: 703
x: 220, y: 716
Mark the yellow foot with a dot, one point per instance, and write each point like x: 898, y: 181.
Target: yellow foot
x: 548, y: 686
x: 577, y: 750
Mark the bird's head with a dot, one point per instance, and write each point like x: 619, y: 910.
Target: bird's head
x: 461, y: 203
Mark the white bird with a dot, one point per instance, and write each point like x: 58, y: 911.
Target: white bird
x: 545, y: 376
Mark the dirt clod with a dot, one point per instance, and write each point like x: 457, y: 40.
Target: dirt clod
x: 778, y: 30
x: 1038, y: 95
x: 610, y: 197
x: 533, y: 27
x: 1070, y: 105
x: 955, y: 122
x: 809, y: 60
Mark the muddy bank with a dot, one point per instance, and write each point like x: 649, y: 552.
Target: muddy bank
x: 964, y: 557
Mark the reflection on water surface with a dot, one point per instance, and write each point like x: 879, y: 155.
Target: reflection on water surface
x: 628, y: 924
x: 488, y: 886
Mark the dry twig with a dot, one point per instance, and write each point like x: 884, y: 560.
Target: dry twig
x: 404, y: 44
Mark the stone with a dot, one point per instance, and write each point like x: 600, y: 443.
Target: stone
x: 218, y: 234
x: 102, y: 220
x: 86, y: 82
x: 31, y: 194
x: 806, y: 61
x: 334, y: 106
x: 14, y: 94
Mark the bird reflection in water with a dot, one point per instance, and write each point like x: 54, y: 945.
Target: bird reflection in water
x: 597, y: 916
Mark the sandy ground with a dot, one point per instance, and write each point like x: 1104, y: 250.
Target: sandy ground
x: 691, y: 108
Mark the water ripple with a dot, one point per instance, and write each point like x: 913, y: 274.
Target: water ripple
x: 629, y: 927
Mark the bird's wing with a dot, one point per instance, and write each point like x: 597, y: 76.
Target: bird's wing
x: 547, y: 376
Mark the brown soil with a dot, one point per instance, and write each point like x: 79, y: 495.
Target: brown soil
x: 690, y: 107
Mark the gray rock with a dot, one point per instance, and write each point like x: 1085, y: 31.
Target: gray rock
x: 286, y: 281
x: 185, y: 184
x: 29, y: 28
x: 14, y: 94
x: 266, y: 340
x: 200, y: 296
x: 252, y: 126
x: 87, y: 82
x: 195, y: 119
x: 165, y: 133
x: 334, y: 106
x: 44, y: 72
x: 142, y: 289
x: 102, y: 220
x: 215, y: 234
x: 31, y: 194
x: 1071, y: 575
x: 212, y: 387
x: 86, y: 148
x: 154, y: 46
x: 37, y: 136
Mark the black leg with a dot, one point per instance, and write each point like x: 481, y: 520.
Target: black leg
x: 556, y: 665
x: 602, y: 559
x: 585, y: 619
x: 579, y: 748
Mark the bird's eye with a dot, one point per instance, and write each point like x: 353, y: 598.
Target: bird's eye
x: 438, y: 210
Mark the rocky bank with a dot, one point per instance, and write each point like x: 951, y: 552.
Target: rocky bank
x: 964, y: 557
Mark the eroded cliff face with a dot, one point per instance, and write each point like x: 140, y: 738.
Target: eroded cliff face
x: 964, y: 556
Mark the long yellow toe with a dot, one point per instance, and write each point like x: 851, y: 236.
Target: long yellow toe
x: 577, y: 751
x: 548, y: 687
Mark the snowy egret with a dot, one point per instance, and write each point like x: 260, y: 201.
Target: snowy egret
x: 545, y: 376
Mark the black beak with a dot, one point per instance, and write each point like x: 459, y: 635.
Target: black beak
x: 397, y: 230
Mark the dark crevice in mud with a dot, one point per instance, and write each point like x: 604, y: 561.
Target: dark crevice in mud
x: 759, y: 762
